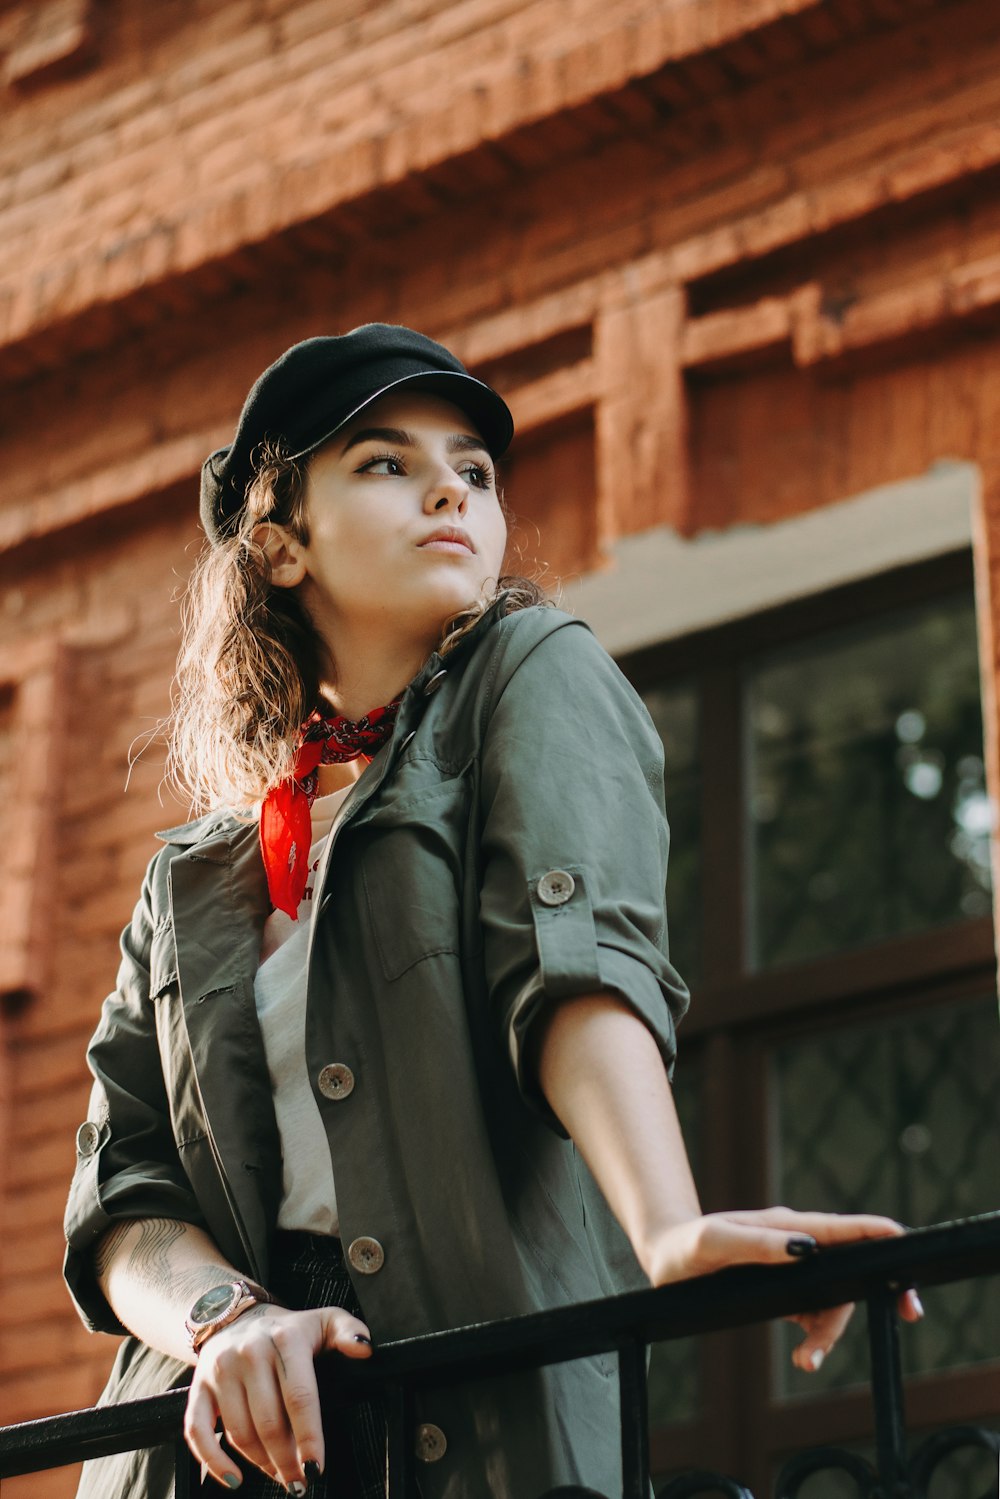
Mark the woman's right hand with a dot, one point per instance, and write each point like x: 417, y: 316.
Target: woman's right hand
x: 257, y: 1375
x: 772, y: 1236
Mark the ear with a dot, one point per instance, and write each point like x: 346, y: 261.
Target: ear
x: 284, y: 551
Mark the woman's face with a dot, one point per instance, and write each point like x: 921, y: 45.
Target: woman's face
x: 407, y: 466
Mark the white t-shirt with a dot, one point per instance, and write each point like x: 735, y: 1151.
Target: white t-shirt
x: 308, y: 1198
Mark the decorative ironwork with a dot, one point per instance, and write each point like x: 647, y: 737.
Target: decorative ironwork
x: 872, y: 1271
x: 828, y: 1460
x: 918, y: 1475
x: 699, y: 1484
x: 931, y: 1455
x: 901, y: 1113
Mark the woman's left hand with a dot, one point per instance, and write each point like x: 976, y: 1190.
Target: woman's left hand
x: 771, y: 1236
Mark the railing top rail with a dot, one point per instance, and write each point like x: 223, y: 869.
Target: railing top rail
x: 940, y: 1254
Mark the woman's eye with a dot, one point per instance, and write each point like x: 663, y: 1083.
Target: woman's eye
x: 387, y: 464
x: 479, y: 475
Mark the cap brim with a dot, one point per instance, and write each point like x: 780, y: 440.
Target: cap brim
x: 489, y: 411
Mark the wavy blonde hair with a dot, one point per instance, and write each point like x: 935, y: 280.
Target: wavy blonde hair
x: 248, y: 670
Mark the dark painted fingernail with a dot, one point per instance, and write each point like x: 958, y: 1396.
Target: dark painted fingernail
x: 800, y: 1247
x: 312, y: 1470
x: 231, y: 1481
x: 360, y: 1338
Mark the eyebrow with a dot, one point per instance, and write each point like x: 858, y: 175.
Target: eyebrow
x: 457, y: 442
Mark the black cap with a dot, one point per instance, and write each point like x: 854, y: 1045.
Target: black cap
x: 317, y: 386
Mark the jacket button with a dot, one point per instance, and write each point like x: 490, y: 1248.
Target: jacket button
x: 88, y: 1137
x: 405, y: 742
x: 431, y: 1443
x: 555, y: 887
x: 336, y: 1081
x: 366, y: 1255
x: 435, y: 681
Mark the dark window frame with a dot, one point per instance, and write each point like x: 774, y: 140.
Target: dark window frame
x: 737, y: 1013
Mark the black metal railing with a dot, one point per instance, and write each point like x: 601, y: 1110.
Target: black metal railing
x: 874, y: 1272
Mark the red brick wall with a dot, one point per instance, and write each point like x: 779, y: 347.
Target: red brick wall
x: 729, y: 260
x: 109, y: 598
x: 181, y: 132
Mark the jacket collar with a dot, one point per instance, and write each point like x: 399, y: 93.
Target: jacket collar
x: 219, y: 827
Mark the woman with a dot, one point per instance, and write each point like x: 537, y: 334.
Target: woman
x: 390, y: 1046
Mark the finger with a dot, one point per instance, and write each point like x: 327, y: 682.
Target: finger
x: 200, y: 1416
x: 911, y: 1308
x: 271, y: 1424
x: 717, y: 1241
x: 238, y: 1423
x: 823, y: 1330
x: 826, y: 1228
x: 345, y: 1333
x: 230, y: 1479
x: 299, y: 1395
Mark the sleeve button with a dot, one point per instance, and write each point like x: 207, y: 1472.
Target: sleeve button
x: 431, y: 1443
x: 88, y: 1137
x: 555, y: 887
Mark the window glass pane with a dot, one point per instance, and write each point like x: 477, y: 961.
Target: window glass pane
x: 673, y: 1368
x: 674, y: 710
x: 868, y: 815
x: 898, y: 1117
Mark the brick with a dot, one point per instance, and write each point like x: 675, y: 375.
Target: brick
x: 34, y: 1251
x: 723, y: 335
x: 30, y: 1296
x: 55, y: 34
x: 221, y: 132
x: 30, y: 1396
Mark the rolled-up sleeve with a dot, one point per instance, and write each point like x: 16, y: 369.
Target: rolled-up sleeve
x: 574, y: 845
x: 126, y: 1159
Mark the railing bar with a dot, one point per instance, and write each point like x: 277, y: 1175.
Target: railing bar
x: 731, y: 1298
x: 887, y: 1389
x: 399, y: 1415
x: 97, y: 1432
x: 184, y: 1487
x: 634, y: 1419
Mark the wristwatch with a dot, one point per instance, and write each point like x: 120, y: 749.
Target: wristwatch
x: 222, y: 1305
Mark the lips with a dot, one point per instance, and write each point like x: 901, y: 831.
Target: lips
x: 449, y: 533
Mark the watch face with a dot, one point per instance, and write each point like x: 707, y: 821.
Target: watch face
x: 213, y: 1304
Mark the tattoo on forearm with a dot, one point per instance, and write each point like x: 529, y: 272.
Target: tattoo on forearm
x: 108, y: 1247
x: 149, y: 1257
x: 148, y: 1262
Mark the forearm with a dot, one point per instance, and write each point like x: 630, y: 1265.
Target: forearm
x: 602, y: 1074
x: 152, y: 1270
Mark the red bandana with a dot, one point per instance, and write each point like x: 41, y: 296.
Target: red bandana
x: 285, y: 823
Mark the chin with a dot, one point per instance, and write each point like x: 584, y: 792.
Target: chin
x: 464, y: 594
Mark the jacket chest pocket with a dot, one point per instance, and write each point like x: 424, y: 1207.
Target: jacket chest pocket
x: 411, y: 854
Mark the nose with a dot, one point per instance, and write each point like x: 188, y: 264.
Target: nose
x: 447, y: 489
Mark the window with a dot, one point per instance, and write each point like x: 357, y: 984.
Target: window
x: 829, y: 903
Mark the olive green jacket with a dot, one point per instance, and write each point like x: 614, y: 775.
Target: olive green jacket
x: 506, y: 848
